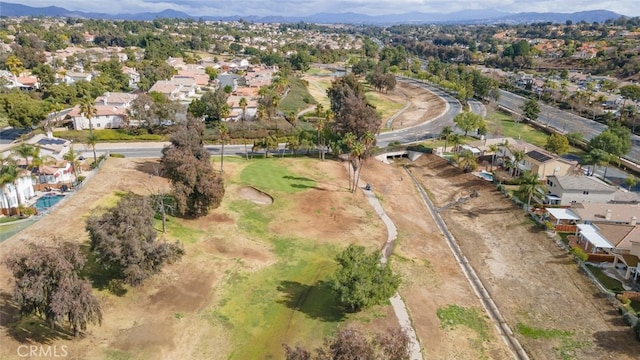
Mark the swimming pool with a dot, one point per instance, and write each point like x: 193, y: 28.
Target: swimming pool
x: 47, y: 201
x: 485, y: 175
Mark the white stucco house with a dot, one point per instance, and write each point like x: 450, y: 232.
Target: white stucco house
x: 17, y: 193
x: 107, y: 117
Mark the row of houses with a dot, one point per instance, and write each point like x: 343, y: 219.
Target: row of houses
x: 610, y: 229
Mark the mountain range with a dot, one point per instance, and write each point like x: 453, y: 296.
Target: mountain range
x: 461, y: 17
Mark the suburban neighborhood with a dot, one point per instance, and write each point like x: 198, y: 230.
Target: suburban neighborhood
x: 199, y: 188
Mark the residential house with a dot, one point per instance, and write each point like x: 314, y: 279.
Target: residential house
x: 134, y: 76
x: 59, y: 173
x: 12, y: 195
x: 236, y: 111
x: 71, y: 77
x: 107, y: 117
x: 116, y: 99
x: 50, y: 146
x: 546, y: 164
x: 167, y: 88
x: 227, y: 79
x: 565, y: 190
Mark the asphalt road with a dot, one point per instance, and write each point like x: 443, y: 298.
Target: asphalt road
x: 427, y: 129
x: 566, y: 121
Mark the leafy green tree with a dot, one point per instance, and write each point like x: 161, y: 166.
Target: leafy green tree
x: 557, y: 144
x: 48, y: 284
x: 631, y: 92
x: 361, y: 280
x: 22, y: 110
x: 531, y: 109
x: 468, y: 121
x: 45, y: 74
x: 596, y: 157
x: 123, y: 240
x: 631, y: 181
x: 616, y: 140
x: 197, y: 188
x: 574, y: 138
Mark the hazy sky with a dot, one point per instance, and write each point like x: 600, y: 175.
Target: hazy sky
x: 307, y: 7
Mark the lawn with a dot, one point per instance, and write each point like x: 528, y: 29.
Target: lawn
x: 298, y: 97
x: 385, y: 107
x: 289, y: 300
x: 272, y: 175
x: 606, y: 281
x: 502, y: 124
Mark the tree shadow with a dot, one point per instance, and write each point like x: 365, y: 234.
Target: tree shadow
x: 151, y: 167
x: 30, y: 328
x: 317, y: 301
x: 618, y: 342
x: 297, y: 178
x: 303, y: 186
x: 100, y: 277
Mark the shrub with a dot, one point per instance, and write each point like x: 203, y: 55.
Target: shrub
x: 548, y: 225
x: 81, y: 178
x: 114, y: 155
x: 579, y: 254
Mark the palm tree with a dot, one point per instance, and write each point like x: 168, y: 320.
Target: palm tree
x: 455, y: 139
x: 518, y: 156
x: 88, y: 110
x: 445, y: 133
x: 223, y: 130
x: 367, y: 142
x: 72, y: 157
x: 9, y: 174
x: 349, y: 140
x: 357, y: 152
x: 529, y: 185
x: 243, y: 105
x: 494, y: 149
x: 467, y: 161
x: 25, y: 151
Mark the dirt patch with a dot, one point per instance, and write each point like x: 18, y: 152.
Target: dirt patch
x: 254, y: 195
x: 532, y: 281
x: 425, y: 105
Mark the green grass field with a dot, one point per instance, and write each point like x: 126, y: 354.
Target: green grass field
x: 502, y: 124
x: 295, y: 99
x: 384, y: 107
x: 286, y: 302
x: 290, y: 301
x: 272, y: 175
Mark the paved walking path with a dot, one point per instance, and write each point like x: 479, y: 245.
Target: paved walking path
x: 399, y: 308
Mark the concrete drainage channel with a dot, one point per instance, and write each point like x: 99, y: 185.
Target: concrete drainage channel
x: 472, y: 277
